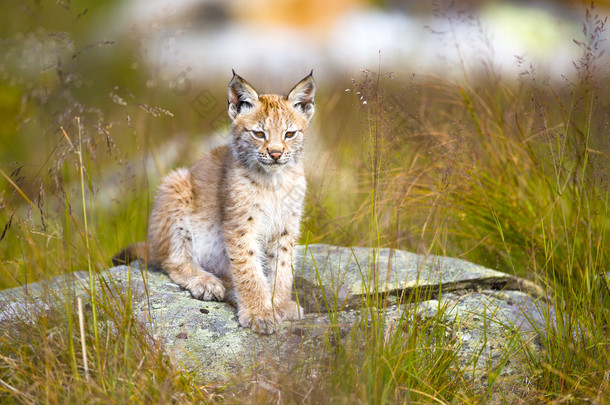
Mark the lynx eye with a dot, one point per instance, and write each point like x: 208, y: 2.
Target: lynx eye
x: 290, y: 134
x: 258, y: 134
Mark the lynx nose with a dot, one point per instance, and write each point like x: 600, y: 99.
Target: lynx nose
x: 275, y: 154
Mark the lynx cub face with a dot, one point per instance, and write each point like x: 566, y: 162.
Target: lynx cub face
x: 225, y: 229
x: 268, y: 130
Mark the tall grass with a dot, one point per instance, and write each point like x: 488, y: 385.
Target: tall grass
x: 511, y: 174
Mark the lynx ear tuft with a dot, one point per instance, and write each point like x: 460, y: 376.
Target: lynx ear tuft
x: 301, y: 96
x: 241, y: 96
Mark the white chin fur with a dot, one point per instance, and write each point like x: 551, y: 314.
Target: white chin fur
x: 274, y: 168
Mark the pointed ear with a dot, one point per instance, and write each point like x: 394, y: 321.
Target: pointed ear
x: 241, y: 96
x: 301, y: 96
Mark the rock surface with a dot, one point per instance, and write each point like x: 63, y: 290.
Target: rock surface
x: 487, y: 311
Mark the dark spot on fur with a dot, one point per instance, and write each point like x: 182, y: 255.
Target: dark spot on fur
x: 282, y: 264
x: 270, y: 255
x: 284, y: 248
x: 251, y: 252
x: 284, y: 232
x: 242, y: 233
x: 250, y: 218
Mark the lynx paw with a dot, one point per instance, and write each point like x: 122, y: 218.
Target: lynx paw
x: 263, y: 322
x: 207, y: 288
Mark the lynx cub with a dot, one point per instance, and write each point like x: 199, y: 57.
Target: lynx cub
x: 225, y: 229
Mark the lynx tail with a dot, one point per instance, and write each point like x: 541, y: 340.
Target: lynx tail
x: 137, y: 251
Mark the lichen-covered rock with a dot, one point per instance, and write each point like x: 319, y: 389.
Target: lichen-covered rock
x: 349, y: 273
x: 488, y: 312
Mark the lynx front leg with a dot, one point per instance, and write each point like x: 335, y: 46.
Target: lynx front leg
x: 280, y: 258
x: 254, y: 307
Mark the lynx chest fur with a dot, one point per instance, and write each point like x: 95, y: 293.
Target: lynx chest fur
x: 225, y: 229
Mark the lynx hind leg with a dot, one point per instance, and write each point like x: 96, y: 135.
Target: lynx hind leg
x: 201, y: 284
x: 171, y: 238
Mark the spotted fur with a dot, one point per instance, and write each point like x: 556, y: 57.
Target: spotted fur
x: 226, y: 228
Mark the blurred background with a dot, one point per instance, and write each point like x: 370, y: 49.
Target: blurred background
x: 138, y: 86
x: 126, y: 49
x: 188, y: 47
x: 338, y: 38
x: 203, y: 39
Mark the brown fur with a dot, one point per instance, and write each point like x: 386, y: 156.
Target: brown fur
x: 226, y: 228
